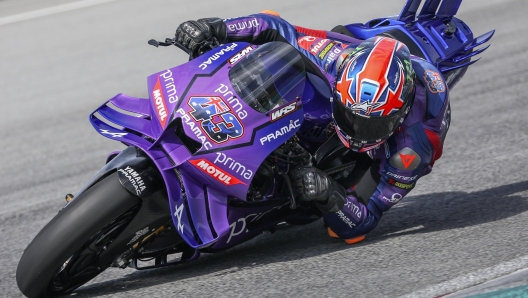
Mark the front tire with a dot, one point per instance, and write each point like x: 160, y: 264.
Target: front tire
x: 70, y: 250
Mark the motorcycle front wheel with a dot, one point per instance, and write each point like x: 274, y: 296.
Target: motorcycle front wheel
x: 74, y: 246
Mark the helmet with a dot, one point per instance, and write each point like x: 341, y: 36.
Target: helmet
x: 373, y: 94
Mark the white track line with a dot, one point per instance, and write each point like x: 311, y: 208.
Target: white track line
x: 471, y: 279
x: 50, y: 11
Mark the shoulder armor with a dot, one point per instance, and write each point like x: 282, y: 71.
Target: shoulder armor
x: 434, y: 84
x: 405, y: 159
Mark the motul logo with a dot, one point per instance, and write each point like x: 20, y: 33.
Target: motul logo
x: 283, y: 111
x: 218, y: 174
x: 318, y: 46
x: 159, y: 103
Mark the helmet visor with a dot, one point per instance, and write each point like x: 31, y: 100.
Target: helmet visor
x: 366, y: 129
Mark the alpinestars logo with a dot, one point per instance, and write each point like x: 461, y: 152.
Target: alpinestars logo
x: 113, y: 134
x: 218, y: 174
x: 159, y: 103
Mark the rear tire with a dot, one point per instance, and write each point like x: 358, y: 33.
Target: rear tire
x: 70, y: 250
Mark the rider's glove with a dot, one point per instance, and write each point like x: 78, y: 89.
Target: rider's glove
x: 316, y: 186
x: 192, y: 34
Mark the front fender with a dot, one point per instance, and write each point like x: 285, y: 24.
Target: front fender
x: 136, y: 170
x: 128, y: 163
x: 138, y: 174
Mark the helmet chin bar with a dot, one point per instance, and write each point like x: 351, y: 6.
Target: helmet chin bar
x: 355, y: 145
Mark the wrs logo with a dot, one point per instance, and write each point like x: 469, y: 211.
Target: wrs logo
x: 159, y: 103
x: 275, y: 115
x: 240, y: 55
x: 218, y: 174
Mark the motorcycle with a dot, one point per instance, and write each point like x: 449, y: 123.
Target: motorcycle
x: 208, y: 153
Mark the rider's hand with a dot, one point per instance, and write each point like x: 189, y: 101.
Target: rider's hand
x: 192, y: 34
x: 315, y: 185
x: 311, y: 183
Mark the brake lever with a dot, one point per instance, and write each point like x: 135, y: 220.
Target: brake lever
x: 153, y: 42
x: 204, y: 47
x: 169, y: 42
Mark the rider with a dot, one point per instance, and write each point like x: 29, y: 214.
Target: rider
x: 390, y: 108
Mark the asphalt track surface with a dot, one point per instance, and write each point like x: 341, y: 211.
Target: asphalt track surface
x: 463, y: 225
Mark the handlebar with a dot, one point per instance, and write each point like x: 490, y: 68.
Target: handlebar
x: 202, y: 48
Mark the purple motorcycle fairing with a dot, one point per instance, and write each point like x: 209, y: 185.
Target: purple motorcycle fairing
x: 317, y: 114
x: 200, y: 183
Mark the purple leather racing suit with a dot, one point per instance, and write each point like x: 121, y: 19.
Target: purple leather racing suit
x: 398, y: 163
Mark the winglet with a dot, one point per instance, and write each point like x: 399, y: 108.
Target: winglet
x: 408, y: 12
x: 460, y: 58
x: 444, y: 69
x: 480, y: 40
x: 448, y: 8
x: 429, y: 9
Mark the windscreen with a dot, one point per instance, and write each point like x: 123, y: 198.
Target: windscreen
x: 269, y: 77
